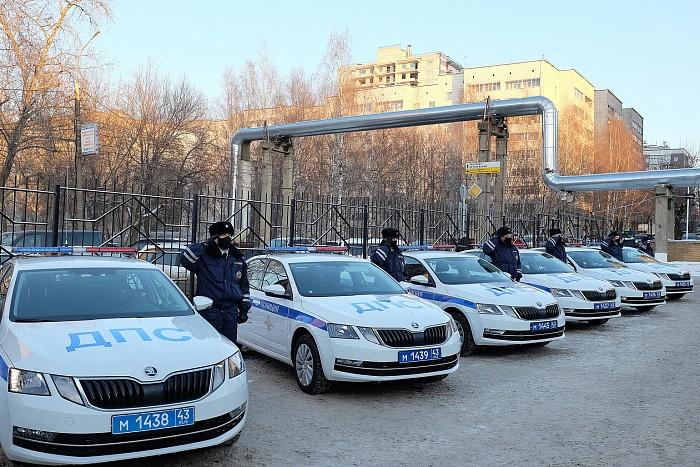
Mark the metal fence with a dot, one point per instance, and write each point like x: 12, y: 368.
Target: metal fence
x: 162, y: 222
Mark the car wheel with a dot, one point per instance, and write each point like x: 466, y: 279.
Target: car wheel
x: 645, y: 308
x: 469, y: 347
x: 598, y: 322
x: 675, y: 296
x: 307, y: 366
x: 232, y: 441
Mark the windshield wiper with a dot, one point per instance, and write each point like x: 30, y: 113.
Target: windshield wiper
x: 34, y: 320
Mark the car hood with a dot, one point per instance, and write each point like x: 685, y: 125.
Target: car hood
x: 501, y: 293
x: 565, y: 281
x: 656, y: 267
x: 115, y: 347
x: 377, y: 311
x: 618, y: 274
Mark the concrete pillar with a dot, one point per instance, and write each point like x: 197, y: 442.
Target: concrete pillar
x: 266, y: 193
x: 663, y: 218
x: 244, y: 189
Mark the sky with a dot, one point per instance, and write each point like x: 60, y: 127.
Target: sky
x: 646, y: 52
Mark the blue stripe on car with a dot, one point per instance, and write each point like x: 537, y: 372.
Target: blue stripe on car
x: 442, y: 298
x: 290, y: 313
x: 3, y: 369
x: 541, y: 287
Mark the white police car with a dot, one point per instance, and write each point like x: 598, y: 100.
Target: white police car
x: 339, y: 318
x: 637, y: 289
x: 582, y: 298
x: 677, y: 281
x: 488, y: 307
x: 104, y: 359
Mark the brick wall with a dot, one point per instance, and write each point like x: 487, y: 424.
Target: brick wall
x: 688, y: 250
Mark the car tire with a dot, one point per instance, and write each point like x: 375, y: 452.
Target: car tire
x: 675, y: 296
x: 308, y: 370
x: 598, y: 322
x: 645, y: 308
x: 469, y: 347
x: 232, y: 441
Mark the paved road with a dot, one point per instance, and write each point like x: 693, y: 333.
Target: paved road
x: 623, y: 394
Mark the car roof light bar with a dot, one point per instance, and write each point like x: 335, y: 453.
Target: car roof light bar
x: 68, y: 250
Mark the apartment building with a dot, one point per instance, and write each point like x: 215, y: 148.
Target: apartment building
x: 665, y: 157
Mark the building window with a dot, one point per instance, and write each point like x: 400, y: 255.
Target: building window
x: 403, y: 66
x: 485, y: 87
x: 578, y: 94
x: 363, y: 71
x: 403, y: 75
x: 362, y: 81
x: 414, y: 75
x: 431, y: 104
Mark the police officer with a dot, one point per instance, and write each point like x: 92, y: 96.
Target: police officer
x: 504, y: 255
x: 388, y: 256
x: 613, y: 245
x: 222, y: 275
x: 645, y: 246
x: 556, y: 246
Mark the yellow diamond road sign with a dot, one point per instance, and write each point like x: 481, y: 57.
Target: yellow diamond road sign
x: 474, y: 191
x: 483, y: 167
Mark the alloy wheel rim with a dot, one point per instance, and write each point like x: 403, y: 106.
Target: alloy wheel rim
x: 304, y: 364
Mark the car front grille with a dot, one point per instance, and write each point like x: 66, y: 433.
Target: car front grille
x: 122, y: 393
x: 656, y: 285
x: 404, y: 338
x: 596, y: 296
x: 531, y: 313
x: 679, y: 277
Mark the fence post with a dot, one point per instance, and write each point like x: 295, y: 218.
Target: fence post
x: 292, y: 221
x: 468, y: 227
x: 365, y: 230
x: 193, y: 235
x: 421, y: 228
x: 56, y: 214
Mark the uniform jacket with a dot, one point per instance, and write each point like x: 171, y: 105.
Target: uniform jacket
x: 503, y: 256
x: 613, y: 249
x: 391, y: 260
x: 647, y: 249
x: 556, y: 248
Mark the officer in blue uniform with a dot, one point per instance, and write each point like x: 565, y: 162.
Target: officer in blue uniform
x: 388, y: 256
x: 556, y: 246
x: 504, y: 255
x: 222, y: 275
x: 613, y: 245
x: 645, y: 246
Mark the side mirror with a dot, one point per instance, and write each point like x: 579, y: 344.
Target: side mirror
x: 420, y: 280
x: 275, y: 290
x: 202, y: 303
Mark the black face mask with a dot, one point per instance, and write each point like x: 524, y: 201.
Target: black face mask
x: 560, y: 240
x: 508, y: 241
x: 394, y: 243
x: 224, y: 243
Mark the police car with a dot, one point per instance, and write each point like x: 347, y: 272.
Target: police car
x: 104, y: 359
x: 488, y: 307
x: 338, y: 318
x: 582, y: 298
x: 676, y: 280
x: 637, y: 289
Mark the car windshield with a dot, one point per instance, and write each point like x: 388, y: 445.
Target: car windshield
x: 77, y: 294
x: 542, y: 263
x: 595, y: 259
x: 465, y: 269
x: 630, y: 255
x: 342, y: 278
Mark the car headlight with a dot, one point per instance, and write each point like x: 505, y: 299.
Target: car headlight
x: 368, y: 333
x: 487, y: 309
x: 67, y: 388
x: 27, y: 382
x: 341, y: 331
x: 450, y: 328
x: 236, y: 365
x: 218, y: 375
x: 561, y: 293
x: 617, y: 283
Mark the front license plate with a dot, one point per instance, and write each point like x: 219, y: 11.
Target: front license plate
x: 683, y: 284
x: 147, y: 421
x: 543, y: 326
x: 604, y: 306
x: 652, y: 294
x: 412, y: 356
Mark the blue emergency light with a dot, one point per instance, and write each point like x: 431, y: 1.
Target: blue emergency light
x: 69, y: 250
x: 307, y: 249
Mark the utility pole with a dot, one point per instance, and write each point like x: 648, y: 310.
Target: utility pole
x: 79, y: 162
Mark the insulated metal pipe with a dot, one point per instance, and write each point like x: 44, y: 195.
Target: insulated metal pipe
x: 240, y: 141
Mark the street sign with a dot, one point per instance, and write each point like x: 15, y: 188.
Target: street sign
x: 483, y: 167
x: 474, y: 191
x: 89, y: 141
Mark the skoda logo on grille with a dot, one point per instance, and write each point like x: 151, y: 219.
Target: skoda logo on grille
x: 648, y: 281
x: 600, y: 289
x: 150, y: 371
x: 414, y: 325
x: 539, y: 303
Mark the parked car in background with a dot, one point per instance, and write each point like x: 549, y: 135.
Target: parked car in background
x: 166, y: 257
x: 676, y: 280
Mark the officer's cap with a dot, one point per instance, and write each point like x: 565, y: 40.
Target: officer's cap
x: 221, y: 227
x: 503, y: 231
x: 390, y: 232
x: 554, y: 231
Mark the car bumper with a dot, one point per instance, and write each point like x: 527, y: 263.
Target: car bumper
x: 584, y: 310
x: 634, y: 298
x: 506, y: 330
x: 678, y: 287
x: 381, y: 363
x: 83, y: 435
